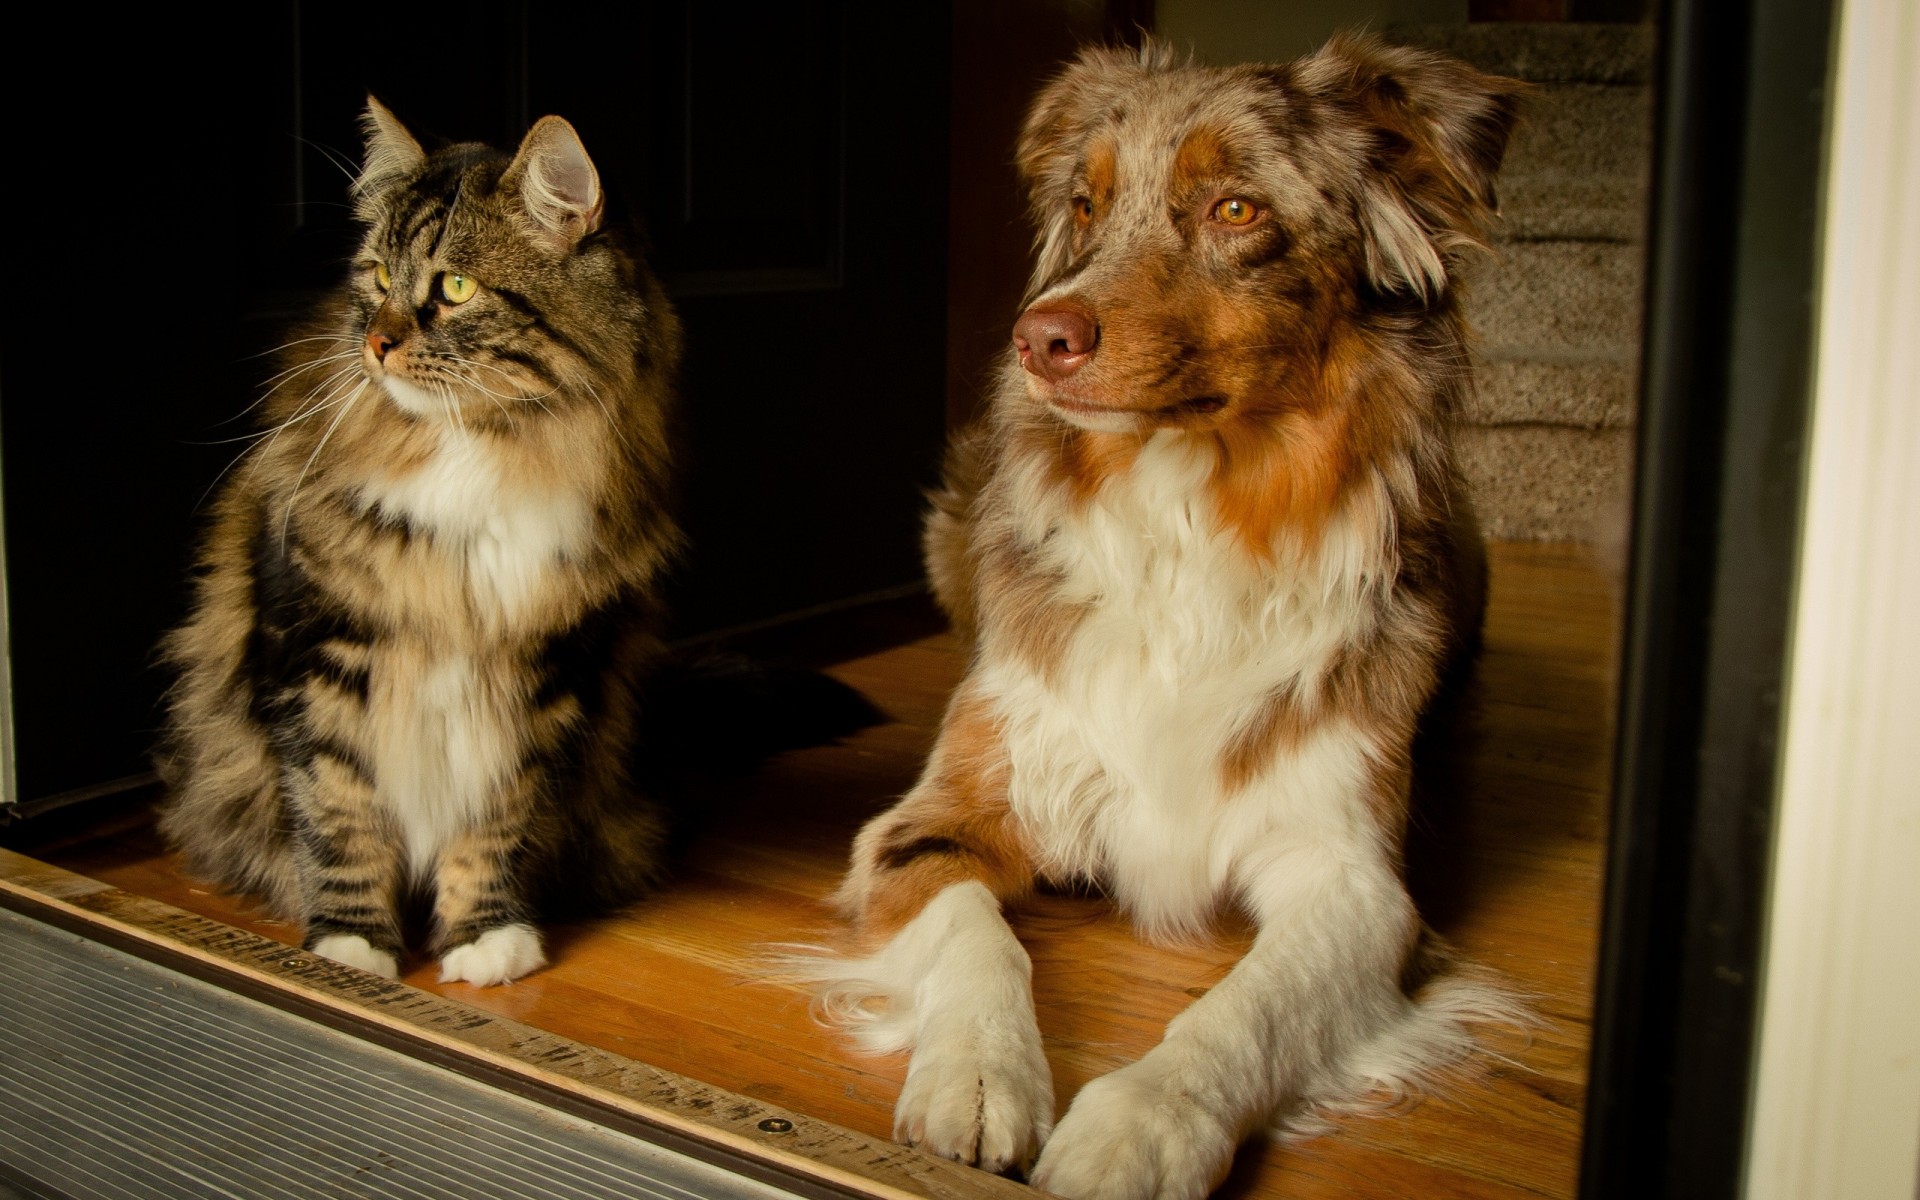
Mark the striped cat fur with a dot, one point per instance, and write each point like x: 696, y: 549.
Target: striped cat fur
x: 412, y: 677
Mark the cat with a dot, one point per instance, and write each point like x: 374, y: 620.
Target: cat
x: 426, y: 607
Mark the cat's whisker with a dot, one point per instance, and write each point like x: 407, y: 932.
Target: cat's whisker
x: 333, y: 156
x: 299, y: 341
x: 612, y: 425
x: 279, y: 377
x: 473, y: 381
x: 286, y: 522
x: 466, y: 380
x: 309, y: 409
x: 262, y: 442
x: 285, y: 377
x: 493, y: 398
x: 499, y: 397
x: 352, y: 358
x: 452, y: 402
x: 222, y: 475
x: 332, y: 385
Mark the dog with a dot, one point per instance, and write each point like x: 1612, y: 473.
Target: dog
x: 1213, y: 557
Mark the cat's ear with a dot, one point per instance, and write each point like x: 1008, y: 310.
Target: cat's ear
x: 391, y: 156
x: 557, y: 182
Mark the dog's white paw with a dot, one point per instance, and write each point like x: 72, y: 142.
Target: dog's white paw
x: 981, y: 1094
x: 356, y: 951
x: 1128, y: 1136
x: 496, y: 956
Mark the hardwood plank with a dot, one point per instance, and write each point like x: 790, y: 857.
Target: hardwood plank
x: 1505, y: 858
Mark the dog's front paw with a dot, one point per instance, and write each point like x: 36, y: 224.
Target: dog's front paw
x: 1130, y: 1136
x: 981, y: 1094
x: 496, y: 956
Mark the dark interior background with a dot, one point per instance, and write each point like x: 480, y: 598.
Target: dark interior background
x: 828, y: 188
x: 830, y: 192
x: 179, y: 195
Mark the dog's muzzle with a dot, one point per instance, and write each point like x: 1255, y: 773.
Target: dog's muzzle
x: 1056, y: 341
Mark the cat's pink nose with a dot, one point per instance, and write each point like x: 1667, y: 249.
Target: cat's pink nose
x: 380, y: 343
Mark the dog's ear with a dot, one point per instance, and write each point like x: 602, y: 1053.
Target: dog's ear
x: 1056, y: 131
x: 1436, y: 131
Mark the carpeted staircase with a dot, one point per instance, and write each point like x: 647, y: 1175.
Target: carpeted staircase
x: 1548, y: 445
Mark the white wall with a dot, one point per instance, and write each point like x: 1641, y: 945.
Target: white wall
x: 1837, y: 1105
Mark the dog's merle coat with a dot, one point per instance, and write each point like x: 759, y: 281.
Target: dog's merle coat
x: 1213, y: 553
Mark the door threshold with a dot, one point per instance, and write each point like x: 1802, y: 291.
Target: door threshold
x: 171, y: 997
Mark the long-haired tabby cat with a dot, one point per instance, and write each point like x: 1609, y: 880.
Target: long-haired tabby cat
x: 426, y: 605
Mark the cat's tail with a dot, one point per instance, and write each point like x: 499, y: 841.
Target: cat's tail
x: 718, y: 716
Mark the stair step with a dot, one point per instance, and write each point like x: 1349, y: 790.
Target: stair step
x: 1578, y: 165
x: 1559, y: 301
x: 1546, y: 483
x: 1546, y: 441
x: 1547, y: 52
x: 1579, y: 395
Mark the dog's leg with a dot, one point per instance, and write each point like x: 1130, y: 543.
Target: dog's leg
x: 929, y: 876
x: 1321, y: 980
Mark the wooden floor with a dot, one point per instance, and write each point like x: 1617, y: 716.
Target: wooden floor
x: 1506, y: 862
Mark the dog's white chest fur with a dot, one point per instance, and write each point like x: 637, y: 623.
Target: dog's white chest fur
x: 504, y: 539
x: 1117, y: 754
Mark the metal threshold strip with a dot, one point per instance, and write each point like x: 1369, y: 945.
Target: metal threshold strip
x: 126, y: 1079
x: 148, y: 1052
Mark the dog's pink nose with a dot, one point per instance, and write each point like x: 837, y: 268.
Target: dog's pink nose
x: 1055, y: 342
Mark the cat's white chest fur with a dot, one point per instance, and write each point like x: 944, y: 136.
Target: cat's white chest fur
x: 504, y: 537
x: 444, y: 741
x: 446, y: 735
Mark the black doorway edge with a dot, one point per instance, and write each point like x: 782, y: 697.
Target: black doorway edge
x: 1732, y: 273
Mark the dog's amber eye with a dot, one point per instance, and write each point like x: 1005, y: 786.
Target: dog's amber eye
x: 382, y: 278
x: 1235, y: 211
x: 1082, y: 210
x: 457, y: 288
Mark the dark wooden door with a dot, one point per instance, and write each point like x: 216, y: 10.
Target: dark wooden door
x: 178, y: 195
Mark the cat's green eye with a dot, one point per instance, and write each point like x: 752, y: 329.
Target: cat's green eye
x: 458, y: 289
x: 382, y: 278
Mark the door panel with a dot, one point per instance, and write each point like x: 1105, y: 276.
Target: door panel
x: 790, y: 166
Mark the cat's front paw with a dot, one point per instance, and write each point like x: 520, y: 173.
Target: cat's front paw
x: 1130, y: 1136
x: 496, y: 956
x: 981, y: 1094
x: 356, y: 951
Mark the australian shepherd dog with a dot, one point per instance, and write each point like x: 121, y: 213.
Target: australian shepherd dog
x: 1213, y: 557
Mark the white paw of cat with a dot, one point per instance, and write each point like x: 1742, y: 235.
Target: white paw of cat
x: 1127, y: 1136
x: 981, y: 1094
x: 496, y: 956
x: 356, y: 951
